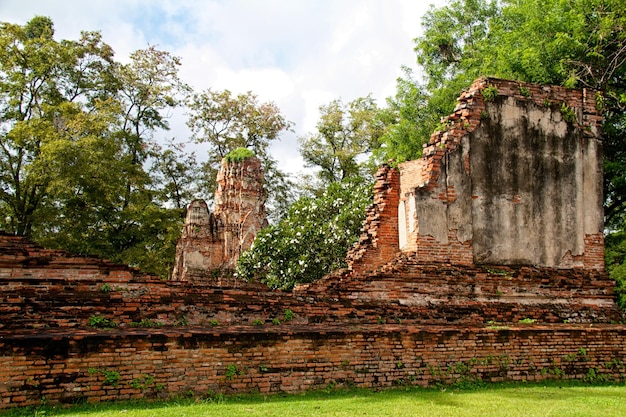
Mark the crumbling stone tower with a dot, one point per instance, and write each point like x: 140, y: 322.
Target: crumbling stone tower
x: 211, y: 243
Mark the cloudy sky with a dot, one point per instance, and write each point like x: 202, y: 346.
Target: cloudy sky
x: 297, y: 53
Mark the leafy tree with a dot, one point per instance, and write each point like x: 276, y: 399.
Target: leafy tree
x: 408, y: 121
x: 615, y: 257
x: 225, y: 122
x: 76, y: 138
x: 177, y: 174
x: 47, y: 89
x: 312, y: 240
x: 345, y: 132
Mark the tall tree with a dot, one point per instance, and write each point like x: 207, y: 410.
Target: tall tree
x: 225, y: 122
x: 346, y: 135
x: 76, y: 145
x: 45, y: 86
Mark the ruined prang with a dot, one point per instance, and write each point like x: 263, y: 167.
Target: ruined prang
x: 211, y: 243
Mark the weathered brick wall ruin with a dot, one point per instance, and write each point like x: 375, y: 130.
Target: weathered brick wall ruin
x: 512, y: 180
x: 425, y: 299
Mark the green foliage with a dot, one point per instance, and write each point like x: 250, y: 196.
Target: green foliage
x: 345, y: 132
x: 409, y: 118
x: 232, y: 371
x: 239, y: 154
x: 490, y: 92
x: 101, y: 322
x: 142, y: 382
x: 615, y: 259
x: 311, y: 241
x: 110, y: 377
x: 527, y: 321
x: 258, y: 322
x: 569, y: 114
x: 289, y: 315
x: 76, y: 142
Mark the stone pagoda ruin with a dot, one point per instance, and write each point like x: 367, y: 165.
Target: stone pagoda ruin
x: 211, y: 242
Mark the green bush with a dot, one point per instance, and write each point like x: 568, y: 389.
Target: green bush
x: 239, y: 154
x: 312, y: 240
x: 615, y: 258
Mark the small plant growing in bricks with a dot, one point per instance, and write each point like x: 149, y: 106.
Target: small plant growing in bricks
x: 214, y: 322
x: 142, y: 382
x: 288, y: 315
x: 100, y: 322
x: 524, y: 91
x: 276, y: 321
x: 568, y: 113
x: 183, y: 321
x: 526, y: 321
x: 258, y: 322
x: 239, y: 155
x: 232, y: 371
x: 110, y: 377
x: 105, y: 287
x: 490, y: 92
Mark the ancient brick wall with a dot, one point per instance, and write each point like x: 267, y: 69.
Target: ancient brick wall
x: 100, y: 366
x: 514, y: 179
x: 379, y: 241
x: 415, y: 307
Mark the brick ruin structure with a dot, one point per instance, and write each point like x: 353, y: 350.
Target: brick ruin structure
x: 211, y: 242
x: 480, y: 261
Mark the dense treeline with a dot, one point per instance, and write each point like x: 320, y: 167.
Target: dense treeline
x: 82, y: 169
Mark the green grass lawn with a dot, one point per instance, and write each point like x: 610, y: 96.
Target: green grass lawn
x: 504, y: 400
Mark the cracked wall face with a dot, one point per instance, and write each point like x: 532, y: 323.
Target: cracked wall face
x: 513, y: 180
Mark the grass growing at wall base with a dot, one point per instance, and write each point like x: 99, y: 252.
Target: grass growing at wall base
x: 552, y: 398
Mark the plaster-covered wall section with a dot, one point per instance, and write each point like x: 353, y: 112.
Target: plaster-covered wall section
x: 536, y: 182
x: 514, y: 179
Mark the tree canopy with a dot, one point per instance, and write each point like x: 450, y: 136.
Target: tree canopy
x: 345, y: 132
x: 77, y: 157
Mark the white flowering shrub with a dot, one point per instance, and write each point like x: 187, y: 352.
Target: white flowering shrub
x: 311, y: 240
